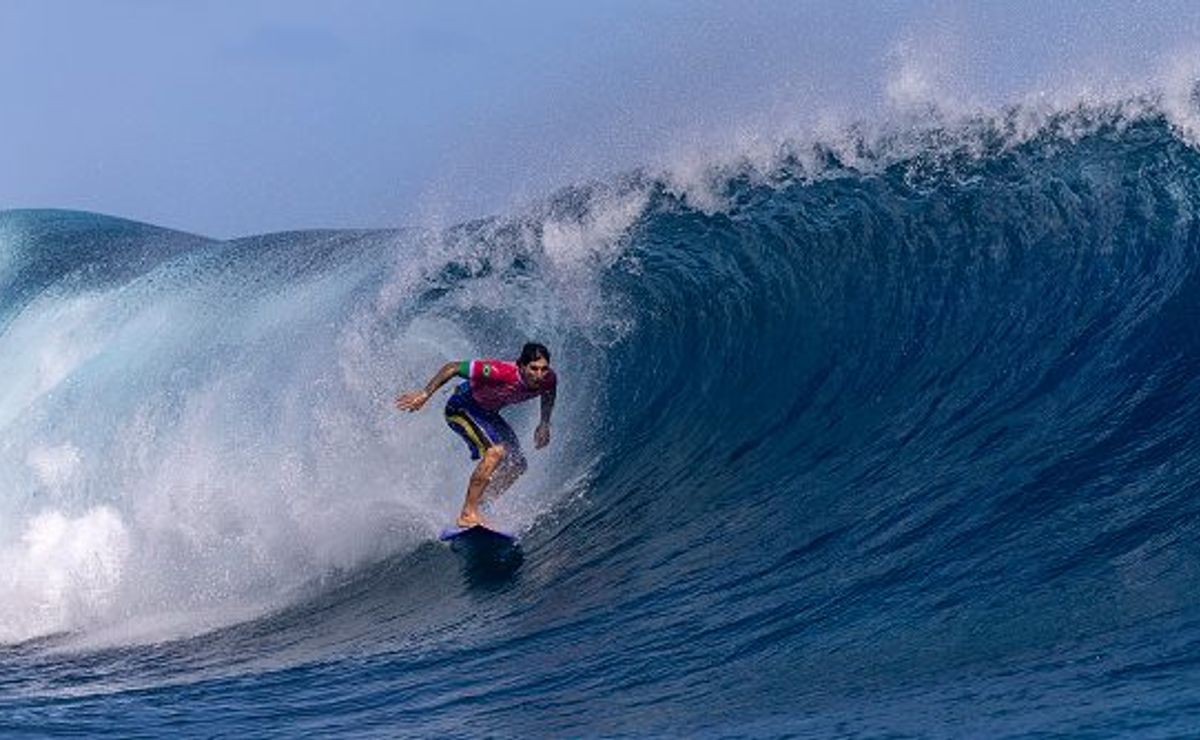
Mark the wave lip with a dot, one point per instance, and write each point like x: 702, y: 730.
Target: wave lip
x: 40, y: 247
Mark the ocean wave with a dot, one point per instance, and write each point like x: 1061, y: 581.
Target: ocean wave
x: 902, y: 402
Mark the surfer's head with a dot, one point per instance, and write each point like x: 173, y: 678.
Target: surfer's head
x: 534, y: 363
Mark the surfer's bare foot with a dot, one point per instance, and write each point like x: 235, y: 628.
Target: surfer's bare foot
x: 469, y: 519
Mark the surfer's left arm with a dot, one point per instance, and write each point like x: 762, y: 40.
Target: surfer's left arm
x: 541, y: 436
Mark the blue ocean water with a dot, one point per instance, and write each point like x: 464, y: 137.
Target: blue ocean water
x: 889, y: 438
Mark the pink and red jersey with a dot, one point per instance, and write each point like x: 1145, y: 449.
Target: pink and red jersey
x: 495, y: 384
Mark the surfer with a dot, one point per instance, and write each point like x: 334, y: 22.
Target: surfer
x: 472, y: 412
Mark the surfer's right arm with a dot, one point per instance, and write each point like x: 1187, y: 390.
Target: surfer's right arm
x: 414, y: 400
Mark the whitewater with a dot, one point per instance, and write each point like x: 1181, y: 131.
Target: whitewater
x: 890, y: 430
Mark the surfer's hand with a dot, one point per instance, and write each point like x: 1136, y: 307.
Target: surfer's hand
x: 412, y: 400
x: 541, y: 435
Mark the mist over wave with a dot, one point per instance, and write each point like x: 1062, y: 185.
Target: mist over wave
x: 901, y: 407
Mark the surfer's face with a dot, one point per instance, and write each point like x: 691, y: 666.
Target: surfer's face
x: 535, y: 372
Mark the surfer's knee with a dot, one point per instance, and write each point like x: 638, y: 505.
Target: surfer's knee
x: 495, y: 454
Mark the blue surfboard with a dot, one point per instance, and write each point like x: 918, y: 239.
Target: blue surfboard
x: 477, y: 535
x: 485, y: 548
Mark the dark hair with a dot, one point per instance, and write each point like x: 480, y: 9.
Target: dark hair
x: 533, y: 351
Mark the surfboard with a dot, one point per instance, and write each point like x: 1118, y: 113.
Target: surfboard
x: 485, y: 548
x: 489, y: 556
x: 477, y: 535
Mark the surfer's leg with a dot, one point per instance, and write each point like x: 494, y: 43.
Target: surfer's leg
x: 492, y: 458
x: 513, y: 467
x: 513, y: 464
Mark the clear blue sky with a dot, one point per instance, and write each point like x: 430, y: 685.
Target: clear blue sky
x: 232, y: 118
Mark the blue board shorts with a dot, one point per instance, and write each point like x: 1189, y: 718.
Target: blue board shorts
x: 480, y: 428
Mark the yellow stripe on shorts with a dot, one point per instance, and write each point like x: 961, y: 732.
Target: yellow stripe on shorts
x: 473, y: 434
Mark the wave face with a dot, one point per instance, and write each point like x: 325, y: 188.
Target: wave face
x: 873, y: 449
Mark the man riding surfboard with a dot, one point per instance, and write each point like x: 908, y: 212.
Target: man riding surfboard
x: 473, y: 413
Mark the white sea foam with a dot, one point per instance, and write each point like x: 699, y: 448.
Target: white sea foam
x: 596, y: 235
x: 61, y: 571
x: 1180, y: 80
x: 55, y: 336
x: 55, y: 466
